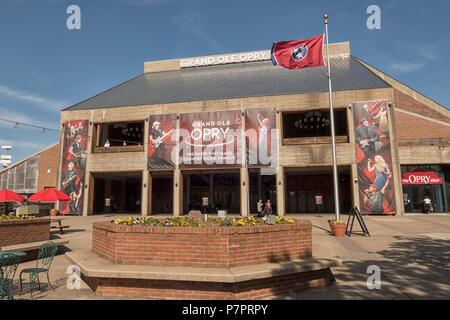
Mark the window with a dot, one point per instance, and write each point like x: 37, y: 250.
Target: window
x: 129, y: 136
x: 314, y: 126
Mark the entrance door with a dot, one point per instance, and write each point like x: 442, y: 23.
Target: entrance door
x: 304, y: 184
x: 220, y: 187
x: 413, y: 195
x: 162, y: 192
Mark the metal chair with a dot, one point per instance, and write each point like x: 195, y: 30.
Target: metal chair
x: 9, y: 263
x: 44, y: 260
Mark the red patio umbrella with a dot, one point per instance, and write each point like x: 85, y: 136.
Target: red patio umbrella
x: 8, y: 196
x: 49, y: 195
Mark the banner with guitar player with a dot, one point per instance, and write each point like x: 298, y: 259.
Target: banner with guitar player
x: 161, y: 141
x: 373, y: 157
x: 74, y: 165
x: 211, y: 139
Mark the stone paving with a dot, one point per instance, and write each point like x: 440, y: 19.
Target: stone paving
x: 412, y: 252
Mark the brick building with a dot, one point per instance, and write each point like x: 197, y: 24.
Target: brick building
x: 109, y: 143
x: 32, y: 174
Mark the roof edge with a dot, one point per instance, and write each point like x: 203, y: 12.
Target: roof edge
x: 396, y: 84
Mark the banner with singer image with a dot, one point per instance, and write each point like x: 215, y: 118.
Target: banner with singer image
x: 161, y: 141
x: 74, y: 165
x: 374, y: 158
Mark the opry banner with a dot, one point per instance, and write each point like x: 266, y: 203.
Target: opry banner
x: 211, y: 139
x: 74, y: 165
x: 421, y: 177
x: 373, y: 157
x: 161, y: 141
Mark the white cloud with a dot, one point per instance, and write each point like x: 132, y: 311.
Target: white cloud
x: 191, y: 22
x: 45, y: 103
x: 406, y: 67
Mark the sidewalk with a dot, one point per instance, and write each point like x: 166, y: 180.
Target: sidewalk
x: 413, y: 253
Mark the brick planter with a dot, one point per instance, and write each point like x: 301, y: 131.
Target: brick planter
x: 17, y: 231
x: 209, y: 247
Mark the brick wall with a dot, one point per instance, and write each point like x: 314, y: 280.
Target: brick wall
x: 48, y: 159
x: 24, y: 231
x: 189, y: 290
x: 411, y: 127
x: 202, y: 247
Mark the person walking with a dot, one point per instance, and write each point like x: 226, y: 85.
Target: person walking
x: 427, y: 205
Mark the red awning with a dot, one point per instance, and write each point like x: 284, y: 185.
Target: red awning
x: 8, y: 196
x: 49, y: 195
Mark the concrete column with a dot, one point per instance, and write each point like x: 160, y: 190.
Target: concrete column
x: 144, y: 194
x: 244, y: 192
x: 88, y: 197
x: 149, y: 193
x: 280, y: 192
x: 396, y: 171
x: 177, y: 192
x: 280, y: 185
x: 354, y: 166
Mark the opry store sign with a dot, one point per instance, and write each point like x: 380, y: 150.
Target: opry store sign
x: 225, y: 59
x: 413, y: 178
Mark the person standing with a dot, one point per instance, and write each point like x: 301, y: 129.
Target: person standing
x: 107, y: 205
x: 268, y: 208
x: 259, y: 207
x: 367, y: 137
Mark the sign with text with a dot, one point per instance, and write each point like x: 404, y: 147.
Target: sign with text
x: 414, y: 178
x: 210, y: 139
x: 225, y: 59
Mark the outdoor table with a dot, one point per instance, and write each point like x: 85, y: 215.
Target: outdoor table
x: 59, y: 226
x: 19, y: 253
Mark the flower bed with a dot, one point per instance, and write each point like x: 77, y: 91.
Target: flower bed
x: 191, y: 222
x: 23, y: 229
x: 215, y: 243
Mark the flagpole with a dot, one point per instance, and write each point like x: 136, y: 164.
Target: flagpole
x: 333, y: 138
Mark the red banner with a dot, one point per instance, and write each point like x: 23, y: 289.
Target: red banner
x: 261, y: 135
x: 161, y: 141
x: 374, y: 159
x: 420, y: 177
x: 74, y: 165
x: 210, y: 139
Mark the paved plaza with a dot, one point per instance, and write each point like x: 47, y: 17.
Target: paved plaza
x: 412, y: 252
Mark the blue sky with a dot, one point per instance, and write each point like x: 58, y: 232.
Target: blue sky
x: 45, y: 67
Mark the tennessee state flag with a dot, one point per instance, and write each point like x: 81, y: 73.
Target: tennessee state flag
x: 298, y: 54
